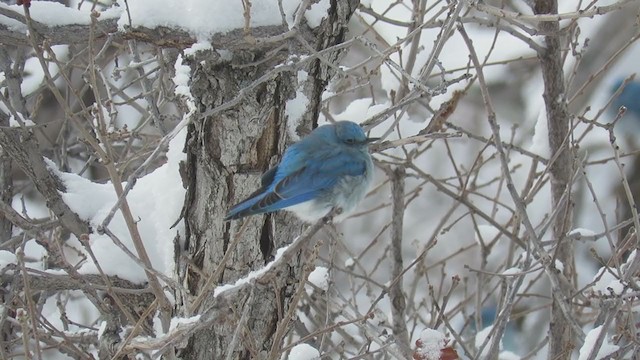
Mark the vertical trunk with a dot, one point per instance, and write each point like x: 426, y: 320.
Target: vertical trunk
x: 227, y: 152
x: 225, y: 158
x: 6, y: 188
x: 561, y: 341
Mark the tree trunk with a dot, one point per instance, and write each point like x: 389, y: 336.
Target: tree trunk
x: 227, y: 152
x: 561, y: 340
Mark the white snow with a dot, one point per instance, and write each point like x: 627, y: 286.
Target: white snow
x: 589, y: 345
x: 35, y: 251
x: 155, y: 202
x: 481, y: 337
x: 540, y: 141
x: 181, y: 78
x: 252, y: 275
x: 582, y: 234
x: 199, y: 46
x: 56, y: 14
x: 304, y: 352
x: 607, y: 280
x: 349, y: 262
x: 203, y: 18
x: 13, y: 122
x: 512, y: 271
x: 175, y: 322
x: 297, y: 106
x: 607, y: 283
x: 317, y: 12
x: 319, y: 277
x: 7, y: 258
x: 431, y: 343
x: 102, y: 328
x: 361, y: 109
x: 34, y: 74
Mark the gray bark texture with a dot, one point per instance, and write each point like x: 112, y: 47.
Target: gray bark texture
x: 226, y: 154
x: 561, y: 339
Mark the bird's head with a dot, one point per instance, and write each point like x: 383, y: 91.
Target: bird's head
x: 351, y: 134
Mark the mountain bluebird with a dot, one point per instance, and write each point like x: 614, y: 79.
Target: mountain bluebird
x: 329, y: 168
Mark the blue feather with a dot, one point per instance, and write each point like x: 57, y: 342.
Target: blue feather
x: 315, y: 170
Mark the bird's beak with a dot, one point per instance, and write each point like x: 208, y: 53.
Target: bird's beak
x: 370, y: 140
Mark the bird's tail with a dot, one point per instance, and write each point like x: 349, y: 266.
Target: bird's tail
x: 263, y: 201
x: 245, y: 208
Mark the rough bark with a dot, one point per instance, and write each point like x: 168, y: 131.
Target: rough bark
x: 561, y: 340
x: 226, y: 153
x: 396, y: 291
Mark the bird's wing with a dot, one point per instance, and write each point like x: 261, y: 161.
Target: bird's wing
x: 316, y: 176
x: 292, y: 160
x: 268, y: 176
x: 242, y: 209
x: 301, y: 185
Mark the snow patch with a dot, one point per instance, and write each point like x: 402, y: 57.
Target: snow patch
x: 304, y: 352
x: 252, y: 275
x: 319, y: 277
x: 7, y: 258
x: 13, y: 122
x: 203, y: 18
x: 582, y: 234
x: 56, y: 14
x: 430, y: 344
x: 155, y: 203
x: 540, y: 141
x: 589, y: 345
x: 182, y: 78
x: 317, y: 13
x: 350, y: 262
x: 296, y: 107
x: 483, y: 336
x: 176, y: 322
x: 512, y: 271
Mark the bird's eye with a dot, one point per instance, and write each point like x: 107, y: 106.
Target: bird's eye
x: 350, y: 141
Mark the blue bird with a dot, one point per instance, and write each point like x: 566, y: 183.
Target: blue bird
x: 329, y: 168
